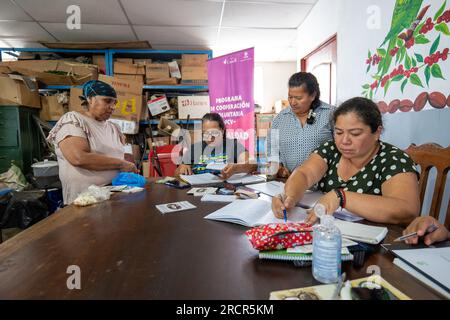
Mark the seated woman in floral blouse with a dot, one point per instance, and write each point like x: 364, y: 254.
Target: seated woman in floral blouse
x: 357, y: 171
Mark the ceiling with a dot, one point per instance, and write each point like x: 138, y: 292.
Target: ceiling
x: 221, y: 25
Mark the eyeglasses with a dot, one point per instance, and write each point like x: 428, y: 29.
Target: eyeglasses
x: 212, y: 134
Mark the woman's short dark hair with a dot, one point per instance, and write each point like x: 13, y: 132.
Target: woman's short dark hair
x: 215, y: 117
x: 365, y: 109
x: 309, y: 82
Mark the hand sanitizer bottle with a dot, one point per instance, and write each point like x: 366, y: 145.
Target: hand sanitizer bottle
x: 327, y: 246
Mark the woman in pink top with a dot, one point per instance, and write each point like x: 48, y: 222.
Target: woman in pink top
x: 89, y: 148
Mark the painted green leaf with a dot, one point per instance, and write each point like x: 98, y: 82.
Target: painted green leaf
x: 419, y: 57
x: 403, y: 85
x: 368, y: 68
x: 407, y: 62
x: 428, y: 75
x: 414, y: 79
x: 386, y: 87
x: 419, y: 27
x: 440, y: 11
x: 369, y: 55
x: 398, y: 78
x: 366, y: 86
x: 421, y: 39
x: 414, y: 62
x: 436, y: 71
x: 403, y: 54
x: 435, y: 45
x: 371, y: 95
x: 376, y: 77
x: 381, y: 52
x: 399, y: 42
x: 443, y: 28
x: 398, y: 56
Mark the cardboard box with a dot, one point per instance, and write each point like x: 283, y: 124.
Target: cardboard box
x: 157, y: 71
x: 19, y: 90
x: 131, y: 77
x: 51, y: 110
x: 194, y: 73
x: 99, y: 60
x: 74, y: 100
x: 194, y: 60
x: 158, y: 105
x: 55, y: 72
x: 124, y: 60
x: 126, y: 68
x: 162, y: 81
x: 123, y: 86
x: 264, y: 123
x: 142, y: 62
x: 195, y: 106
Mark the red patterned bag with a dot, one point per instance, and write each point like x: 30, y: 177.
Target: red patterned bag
x: 280, y: 236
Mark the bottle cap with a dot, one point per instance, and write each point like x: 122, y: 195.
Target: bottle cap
x: 320, y: 210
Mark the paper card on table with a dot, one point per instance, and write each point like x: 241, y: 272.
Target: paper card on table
x: 175, y: 207
x: 253, y: 213
x: 198, y: 192
x: 209, y: 178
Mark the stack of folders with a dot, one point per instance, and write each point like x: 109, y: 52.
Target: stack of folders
x: 298, y: 258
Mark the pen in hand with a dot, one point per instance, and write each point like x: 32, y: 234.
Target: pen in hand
x: 429, y: 230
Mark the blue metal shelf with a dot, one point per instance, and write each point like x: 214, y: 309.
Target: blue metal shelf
x: 175, y: 87
x: 155, y: 121
x: 47, y: 88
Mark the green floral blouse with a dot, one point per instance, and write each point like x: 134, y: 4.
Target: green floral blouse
x: 388, y: 162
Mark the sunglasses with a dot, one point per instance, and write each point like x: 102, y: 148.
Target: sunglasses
x: 212, y: 134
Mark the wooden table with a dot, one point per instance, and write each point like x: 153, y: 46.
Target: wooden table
x: 126, y: 249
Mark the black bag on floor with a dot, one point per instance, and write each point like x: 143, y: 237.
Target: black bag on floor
x: 25, y: 209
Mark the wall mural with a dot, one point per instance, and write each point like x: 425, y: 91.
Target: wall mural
x: 411, y: 55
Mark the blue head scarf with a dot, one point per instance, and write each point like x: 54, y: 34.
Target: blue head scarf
x: 94, y: 88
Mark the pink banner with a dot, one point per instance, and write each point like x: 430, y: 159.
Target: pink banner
x: 230, y: 80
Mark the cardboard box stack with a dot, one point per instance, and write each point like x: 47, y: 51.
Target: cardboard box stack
x: 53, y: 72
x: 125, y: 68
x: 159, y: 74
x: 194, y: 69
x: 19, y: 90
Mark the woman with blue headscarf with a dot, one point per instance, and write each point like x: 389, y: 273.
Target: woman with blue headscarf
x: 90, y: 150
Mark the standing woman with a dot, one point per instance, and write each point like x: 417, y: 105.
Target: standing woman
x: 299, y: 129
x: 89, y: 148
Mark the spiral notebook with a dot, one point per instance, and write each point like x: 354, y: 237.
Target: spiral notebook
x: 307, y: 257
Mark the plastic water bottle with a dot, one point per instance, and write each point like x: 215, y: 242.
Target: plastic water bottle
x: 327, y: 246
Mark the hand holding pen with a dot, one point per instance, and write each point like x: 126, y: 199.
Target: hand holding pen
x: 427, y: 227
x: 281, y: 204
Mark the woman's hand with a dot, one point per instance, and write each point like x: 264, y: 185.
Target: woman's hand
x: 420, y: 225
x: 283, y: 172
x: 184, y: 169
x: 228, y: 171
x: 331, y: 203
x: 281, y: 203
x: 127, y: 166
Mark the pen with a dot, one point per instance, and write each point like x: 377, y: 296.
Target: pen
x: 430, y: 229
x: 285, y: 215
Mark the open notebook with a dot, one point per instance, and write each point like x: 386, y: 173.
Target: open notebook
x: 253, y: 213
x: 209, y: 178
x: 310, y: 198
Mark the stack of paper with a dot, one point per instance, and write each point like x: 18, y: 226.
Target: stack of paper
x: 199, y: 192
x: 218, y: 198
x: 361, y: 232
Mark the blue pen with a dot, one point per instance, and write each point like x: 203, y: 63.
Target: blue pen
x: 285, y: 215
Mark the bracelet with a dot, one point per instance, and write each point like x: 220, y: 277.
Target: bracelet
x: 345, y: 198
x: 341, y: 196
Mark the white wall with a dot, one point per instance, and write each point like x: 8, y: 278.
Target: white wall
x: 275, y: 76
x: 348, y: 19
